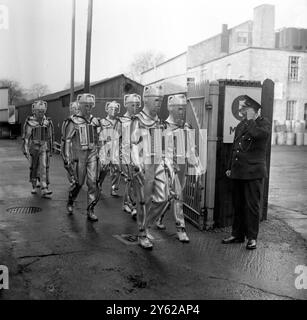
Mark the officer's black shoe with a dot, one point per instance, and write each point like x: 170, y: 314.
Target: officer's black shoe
x: 251, y: 244
x: 232, y: 239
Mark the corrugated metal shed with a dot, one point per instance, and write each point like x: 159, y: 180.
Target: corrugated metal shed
x: 105, y: 90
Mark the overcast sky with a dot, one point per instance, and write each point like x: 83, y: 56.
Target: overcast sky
x: 36, y: 46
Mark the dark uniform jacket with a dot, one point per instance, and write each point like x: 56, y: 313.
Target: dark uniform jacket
x: 248, y: 155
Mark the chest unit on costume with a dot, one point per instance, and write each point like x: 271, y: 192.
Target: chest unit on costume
x: 176, y: 142
x: 41, y: 132
x: 147, y: 133
x: 87, y: 131
x: 109, y: 139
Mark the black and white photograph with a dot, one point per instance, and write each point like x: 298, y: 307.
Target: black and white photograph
x: 153, y: 153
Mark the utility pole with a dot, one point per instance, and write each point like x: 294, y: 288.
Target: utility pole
x: 72, y: 70
x: 88, y: 47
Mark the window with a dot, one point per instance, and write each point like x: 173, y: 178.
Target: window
x: 293, y: 68
x: 305, y: 112
x: 242, y: 37
x: 290, y: 110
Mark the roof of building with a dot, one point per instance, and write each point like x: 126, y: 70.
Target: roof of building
x: 245, y: 49
x: 62, y: 93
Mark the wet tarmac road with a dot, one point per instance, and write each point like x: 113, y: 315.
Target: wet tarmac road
x: 53, y: 256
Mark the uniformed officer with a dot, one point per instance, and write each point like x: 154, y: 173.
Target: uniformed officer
x: 247, y: 169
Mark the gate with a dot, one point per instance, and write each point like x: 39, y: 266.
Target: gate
x: 198, y: 195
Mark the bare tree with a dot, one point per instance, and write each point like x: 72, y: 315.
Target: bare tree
x: 144, y: 61
x: 38, y: 90
x: 16, y: 92
x: 76, y: 84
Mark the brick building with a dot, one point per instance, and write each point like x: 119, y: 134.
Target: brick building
x: 253, y: 50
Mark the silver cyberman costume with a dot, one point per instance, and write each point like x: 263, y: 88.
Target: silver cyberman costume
x: 109, y: 140
x: 38, y: 137
x: 179, y: 154
x: 132, y: 103
x: 73, y: 109
x: 149, y: 173
x: 80, y: 153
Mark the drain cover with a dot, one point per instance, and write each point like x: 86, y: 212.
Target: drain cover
x: 24, y: 210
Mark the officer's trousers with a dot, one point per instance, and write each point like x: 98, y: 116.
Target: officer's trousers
x: 246, y: 197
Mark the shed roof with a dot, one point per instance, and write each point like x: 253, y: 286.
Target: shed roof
x: 62, y: 93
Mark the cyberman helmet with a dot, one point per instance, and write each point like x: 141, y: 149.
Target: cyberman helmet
x: 114, y: 105
x: 177, y: 100
x: 153, y: 91
x: 39, y: 105
x: 132, y: 98
x: 86, y: 98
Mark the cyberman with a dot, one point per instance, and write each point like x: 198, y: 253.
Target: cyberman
x: 180, y: 154
x: 132, y: 103
x: 38, y: 137
x: 73, y: 109
x: 80, y: 153
x: 109, y: 140
x: 149, y: 173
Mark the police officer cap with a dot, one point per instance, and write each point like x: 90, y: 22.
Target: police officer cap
x: 113, y: 104
x: 132, y: 98
x: 39, y: 105
x: 153, y: 91
x: 251, y: 103
x: 177, y: 100
x: 86, y: 98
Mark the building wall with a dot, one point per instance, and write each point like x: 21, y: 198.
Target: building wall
x: 204, y: 51
x: 259, y: 64
x: 173, y: 67
x: 273, y: 64
x: 234, y: 66
x: 238, y: 34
